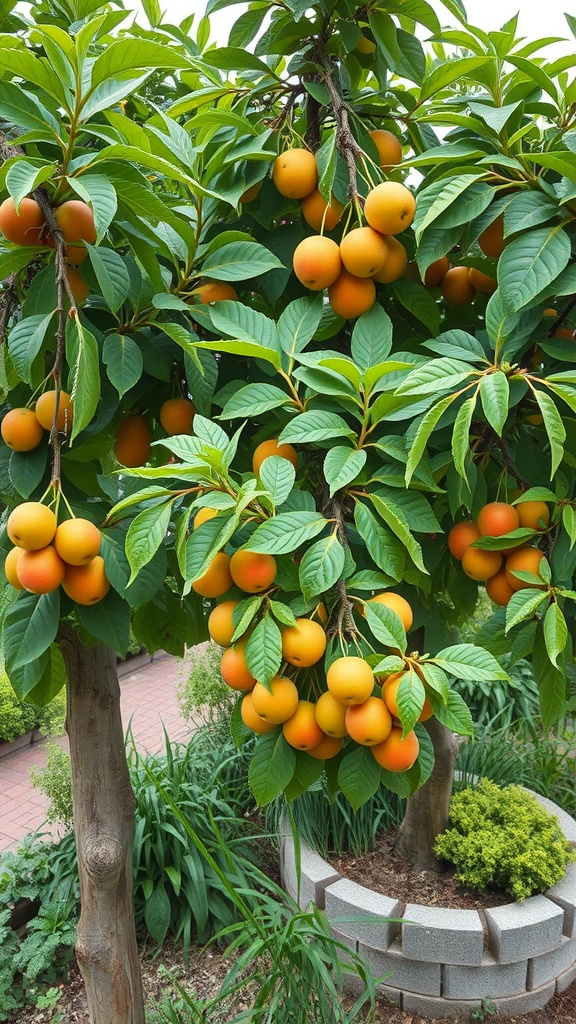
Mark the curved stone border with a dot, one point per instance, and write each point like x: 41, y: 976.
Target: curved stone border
x: 440, y: 961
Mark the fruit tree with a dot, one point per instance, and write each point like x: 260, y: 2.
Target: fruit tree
x: 288, y: 361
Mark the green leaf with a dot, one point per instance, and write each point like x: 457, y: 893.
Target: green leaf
x: 426, y: 427
x: 307, y: 771
x: 25, y: 341
x: 243, y: 323
x: 465, y: 661
x: 27, y: 469
x: 321, y: 567
x: 455, y: 714
x: 451, y: 71
x: 145, y: 535
x: 410, y: 697
x: 522, y: 605
x: 30, y: 626
x: 385, y: 625
x: 182, y: 337
x: 51, y: 681
x: 359, y: 776
x: 495, y: 395
x: 530, y: 263
x: 298, y: 324
x: 394, y: 518
x: 112, y: 275
x: 551, y: 682
x: 25, y: 110
x: 419, y: 302
x: 554, y: 427
x: 371, y: 338
x: 253, y: 400
x: 23, y: 177
x: 555, y: 632
x: 381, y: 543
x: 569, y: 523
x: 436, y: 376
x: 123, y: 360
x: 108, y: 621
x: 157, y: 913
x: 99, y: 192
x: 271, y: 768
x: 277, y: 476
x: 240, y: 261
x: 84, y: 381
x: 444, y: 194
x: 241, y: 348
x: 264, y: 650
x: 315, y: 426
x: 285, y: 532
x: 343, y: 465
x: 461, y: 436
x: 135, y: 55
x: 234, y: 58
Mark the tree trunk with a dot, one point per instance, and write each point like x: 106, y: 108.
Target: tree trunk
x: 427, y: 809
x: 104, y: 825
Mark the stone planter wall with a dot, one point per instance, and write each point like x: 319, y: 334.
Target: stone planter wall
x: 10, y: 746
x: 441, y: 961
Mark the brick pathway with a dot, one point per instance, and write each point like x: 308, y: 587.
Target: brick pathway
x: 148, y: 701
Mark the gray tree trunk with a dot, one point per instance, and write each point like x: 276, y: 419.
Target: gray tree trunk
x: 104, y: 825
x: 427, y: 809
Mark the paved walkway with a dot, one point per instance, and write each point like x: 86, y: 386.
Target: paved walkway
x: 148, y: 700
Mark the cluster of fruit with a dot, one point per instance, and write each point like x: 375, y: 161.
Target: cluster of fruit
x: 27, y: 226
x: 498, y: 569
x: 22, y: 429
x: 47, y: 555
x: 366, y: 254
x: 134, y: 435
x: 457, y: 284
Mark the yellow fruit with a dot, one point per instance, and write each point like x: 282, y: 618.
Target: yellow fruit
x: 24, y: 227
x: 220, y: 625
x: 535, y: 515
x: 389, y: 148
x: 31, y: 525
x: 499, y: 589
x: 272, y: 447
x: 11, y: 567
x: 295, y: 173
x: 250, y: 194
x: 436, y: 272
x: 369, y: 723
x: 461, y: 536
x: 397, y: 604
x: 304, y: 643
x: 395, y: 264
x: 389, y: 695
x: 328, y: 747
x: 203, y: 515
x: 21, y: 431
x: 217, y: 579
x: 78, y: 285
x: 177, y: 416
x: 301, y: 730
x: 350, y: 296
x: 77, y: 541
x: 278, y: 703
x: 491, y: 241
x: 331, y: 715
x: 363, y: 252
x: 525, y: 559
x: 319, y: 214
x: 76, y: 221
x: 40, y: 571
x: 253, y: 571
x: 482, y: 282
x: 86, y: 584
x: 390, y: 208
x: 350, y: 680
x: 317, y: 262
x: 216, y: 291
x: 456, y: 287
x: 365, y: 45
x: 481, y: 565
x: 251, y: 718
x: 45, y: 407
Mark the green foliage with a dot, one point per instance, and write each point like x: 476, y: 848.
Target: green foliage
x: 201, y: 689
x: 55, y: 781
x: 503, y: 838
x: 16, y: 717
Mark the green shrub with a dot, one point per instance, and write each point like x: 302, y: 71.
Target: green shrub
x: 202, y: 687
x: 503, y: 838
x: 55, y: 781
x: 19, y: 717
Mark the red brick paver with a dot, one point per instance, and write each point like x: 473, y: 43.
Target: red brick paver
x: 148, y: 702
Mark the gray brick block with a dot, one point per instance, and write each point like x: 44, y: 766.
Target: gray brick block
x: 564, y: 894
x: 413, y: 1003
x: 404, y: 974
x: 345, y: 898
x: 566, y: 822
x: 547, y: 967
x: 354, y: 986
x: 520, y: 930
x: 565, y: 980
x: 441, y: 935
x: 490, y: 979
x: 316, y: 874
x: 527, y: 1001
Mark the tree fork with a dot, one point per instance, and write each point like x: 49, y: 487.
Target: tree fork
x: 103, y: 803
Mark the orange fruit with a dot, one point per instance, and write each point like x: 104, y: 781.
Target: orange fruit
x: 397, y: 604
x: 40, y: 571
x: 369, y: 723
x: 317, y: 262
x: 497, y: 518
x: 31, y: 525
x: 45, y: 407
x: 395, y: 264
x: 524, y: 559
x: 390, y: 208
x: 328, y: 747
x: 295, y: 173
x: 331, y: 715
x: 350, y: 296
x: 363, y: 252
x: 436, y: 272
x: 21, y: 431
x: 217, y: 579
x: 220, y: 624
x: 235, y: 671
x: 77, y: 541
x: 23, y: 227
x: 481, y: 565
x: 177, y: 416
x: 350, y: 680
x: 301, y: 730
x: 253, y: 571
x: 319, y: 214
x: 389, y: 694
x: 482, y: 282
x: 491, y: 241
x: 461, y: 536
x: 271, y: 447
x: 251, y: 718
x: 278, y: 703
x: 456, y: 287
x: 78, y: 286
x: 304, y: 643
x: 389, y: 147
x: 76, y: 221
x: 250, y: 194
x: 86, y: 584
x: 498, y: 588
x: 397, y: 754
x: 203, y: 515
x: 132, y: 445
x: 215, y: 291
x: 535, y: 515
x: 11, y: 567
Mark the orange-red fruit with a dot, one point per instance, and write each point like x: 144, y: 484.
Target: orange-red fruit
x: 499, y: 589
x: 350, y: 296
x: 11, y: 567
x: 461, y: 536
x: 369, y: 723
x: 271, y: 447
x: 217, y: 579
x: 295, y: 173
x: 534, y: 515
x: 304, y: 643
x: 177, y: 416
x: 524, y: 559
x: 350, y: 680
x: 31, y: 525
x: 78, y: 286
x: 363, y: 252
x: 40, y: 571
x: 481, y: 565
x: 397, y: 754
x: 24, y: 227
x: 132, y: 445
x: 235, y: 671
x: 497, y: 518
x: 253, y: 571
x: 389, y: 148
x: 328, y: 747
x: 456, y: 287
x: 396, y: 262
x: 21, y: 430
x: 77, y: 541
x: 482, y: 282
x: 317, y: 212
x: 397, y: 604
x: 317, y: 262
x: 331, y: 715
x: 45, y: 407
x: 278, y: 703
x: 491, y: 241
x: 86, y: 584
x: 76, y: 221
x: 215, y: 291
x: 250, y: 717
x: 436, y: 272
x: 301, y: 730
x: 390, y: 208
x: 220, y: 624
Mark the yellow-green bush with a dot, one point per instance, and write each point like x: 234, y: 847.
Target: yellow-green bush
x: 19, y: 717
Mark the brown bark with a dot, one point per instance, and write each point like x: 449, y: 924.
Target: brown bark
x: 104, y: 824
x: 427, y: 809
